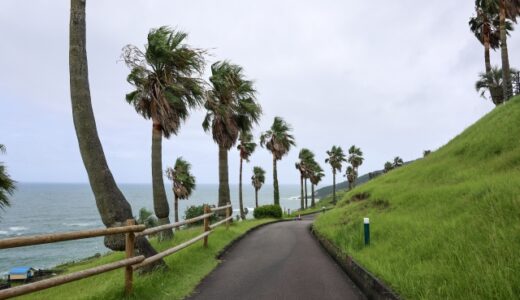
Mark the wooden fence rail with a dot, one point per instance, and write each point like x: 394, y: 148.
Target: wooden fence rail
x: 130, y: 263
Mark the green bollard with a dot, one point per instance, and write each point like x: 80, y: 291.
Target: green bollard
x: 367, y: 231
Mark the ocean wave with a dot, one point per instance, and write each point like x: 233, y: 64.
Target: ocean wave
x: 18, y: 228
x: 2, y: 232
x: 79, y: 224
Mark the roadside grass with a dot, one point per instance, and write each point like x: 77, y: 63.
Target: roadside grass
x: 446, y: 226
x: 325, y: 202
x: 186, y: 269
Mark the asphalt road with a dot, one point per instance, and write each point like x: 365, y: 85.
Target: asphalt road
x: 277, y: 261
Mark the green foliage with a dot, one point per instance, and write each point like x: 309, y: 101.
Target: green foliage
x: 278, y: 139
x: 7, y: 185
x: 246, y: 146
x: 258, y: 178
x: 446, y: 222
x: 147, y: 218
x: 182, y: 178
x: 195, y: 211
x: 336, y: 158
x: 268, y: 211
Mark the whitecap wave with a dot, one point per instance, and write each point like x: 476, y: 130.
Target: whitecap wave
x: 79, y: 224
x: 2, y: 232
x: 18, y: 228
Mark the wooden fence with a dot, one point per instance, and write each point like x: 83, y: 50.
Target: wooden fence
x: 130, y: 263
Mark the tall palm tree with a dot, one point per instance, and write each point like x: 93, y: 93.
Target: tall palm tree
x: 315, y: 177
x: 355, y: 159
x: 231, y: 108
x: 398, y: 162
x: 351, y: 175
x: 304, y: 166
x: 335, y: 159
x: 491, y: 82
x: 166, y: 78
x: 246, y: 147
x: 7, y: 185
x: 112, y: 205
x: 183, y: 182
x: 257, y: 180
x: 279, y: 141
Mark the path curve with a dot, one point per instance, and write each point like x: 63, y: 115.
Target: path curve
x: 278, y: 261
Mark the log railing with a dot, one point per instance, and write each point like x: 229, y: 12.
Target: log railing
x: 130, y: 263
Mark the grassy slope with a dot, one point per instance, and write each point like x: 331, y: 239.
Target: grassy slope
x: 447, y: 226
x: 186, y: 270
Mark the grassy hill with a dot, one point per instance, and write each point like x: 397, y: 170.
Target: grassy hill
x: 446, y: 226
x: 327, y: 190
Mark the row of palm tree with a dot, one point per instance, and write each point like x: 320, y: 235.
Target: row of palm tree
x: 309, y: 170
x: 336, y: 158
x: 396, y: 163
x: 491, y: 25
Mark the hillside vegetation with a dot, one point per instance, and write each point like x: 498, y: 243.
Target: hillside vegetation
x: 446, y: 226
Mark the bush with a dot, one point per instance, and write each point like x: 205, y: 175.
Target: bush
x: 268, y: 211
x: 195, y: 211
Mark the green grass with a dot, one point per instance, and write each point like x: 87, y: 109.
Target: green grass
x: 186, y: 269
x: 446, y: 226
x: 325, y: 202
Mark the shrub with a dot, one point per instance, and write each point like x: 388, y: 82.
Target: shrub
x: 195, y: 211
x: 268, y: 211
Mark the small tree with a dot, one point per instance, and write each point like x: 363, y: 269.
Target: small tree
x: 355, y: 159
x: 7, y: 185
x: 257, y: 180
x: 351, y: 175
x: 388, y: 167
x: 183, y: 182
x: 246, y: 147
x: 315, y: 177
x: 335, y: 159
x: 398, y: 162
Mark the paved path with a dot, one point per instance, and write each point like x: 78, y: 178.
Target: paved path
x: 277, y: 261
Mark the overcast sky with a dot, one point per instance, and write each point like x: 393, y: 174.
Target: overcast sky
x: 392, y: 77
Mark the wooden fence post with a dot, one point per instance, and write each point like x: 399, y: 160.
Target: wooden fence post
x: 207, y: 210
x: 228, y: 213
x: 129, y: 251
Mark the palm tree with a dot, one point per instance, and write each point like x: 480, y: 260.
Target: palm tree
x: 246, y: 148
x: 315, y: 177
x: 279, y: 141
x: 231, y: 108
x: 355, y: 159
x: 388, y: 167
x: 257, y: 180
x: 166, y: 78
x: 426, y: 153
x: 351, y: 175
x: 183, y: 182
x: 398, y: 162
x: 485, y: 27
x: 335, y: 159
x: 492, y: 83
x: 112, y: 205
x: 304, y: 166
x: 7, y: 185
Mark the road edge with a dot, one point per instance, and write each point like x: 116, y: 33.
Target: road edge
x: 370, y: 285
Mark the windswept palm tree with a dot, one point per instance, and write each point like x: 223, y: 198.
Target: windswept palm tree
x: 257, y: 180
x: 351, y: 175
x: 183, y: 182
x: 355, y: 159
x: 166, y: 78
x: 388, y: 167
x: 111, y: 203
x: 304, y: 166
x: 246, y: 147
x: 231, y: 108
x: 492, y: 82
x: 398, y: 162
x: 335, y: 159
x: 7, y: 185
x: 279, y: 141
x: 315, y: 177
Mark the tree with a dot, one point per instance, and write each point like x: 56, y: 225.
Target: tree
x: 7, y: 185
x: 246, y: 147
x: 279, y: 141
x: 388, y: 167
x: 398, y: 162
x: 315, y: 177
x: 112, y: 205
x: 166, y: 78
x: 426, y: 153
x: 351, y: 175
x: 183, y: 182
x: 231, y: 108
x: 304, y: 166
x: 257, y: 180
x: 355, y: 159
x: 335, y: 159
x: 491, y: 82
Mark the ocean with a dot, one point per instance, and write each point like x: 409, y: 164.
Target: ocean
x: 38, y: 208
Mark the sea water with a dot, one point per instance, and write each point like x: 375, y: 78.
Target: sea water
x: 39, y: 208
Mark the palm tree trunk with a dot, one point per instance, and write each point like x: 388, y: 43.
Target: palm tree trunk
x: 333, y: 186
x: 176, y: 207
x: 302, y: 206
x: 313, y: 203
x: 508, y: 88
x: 110, y: 201
x: 256, y: 198
x: 242, y: 215
x: 275, y: 183
x: 223, y: 176
x: 306, y: 199
x: 160, y: 202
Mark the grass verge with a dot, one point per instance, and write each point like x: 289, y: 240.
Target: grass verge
x: 186, y: 269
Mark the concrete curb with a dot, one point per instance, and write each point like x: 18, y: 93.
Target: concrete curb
x: 372, y: 287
